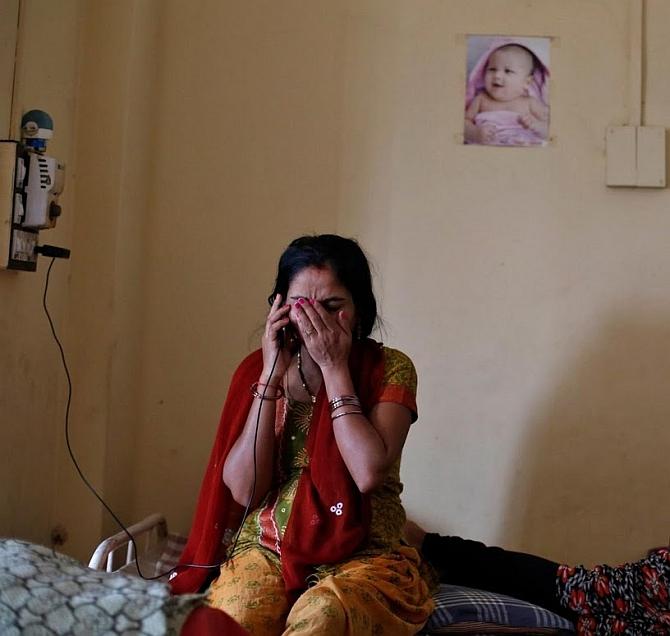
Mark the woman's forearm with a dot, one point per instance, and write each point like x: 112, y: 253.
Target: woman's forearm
x: 242, y: 476
x: 362, y: 447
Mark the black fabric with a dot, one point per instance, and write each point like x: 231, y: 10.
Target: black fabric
x: 473, y: 564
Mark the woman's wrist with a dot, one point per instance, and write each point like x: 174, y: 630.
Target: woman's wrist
x: 271, y: 381
x: 337, y: 378
x: 267, y: 392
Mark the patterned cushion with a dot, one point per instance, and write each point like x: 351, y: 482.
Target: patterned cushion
x: 462, y: 610
x: 42, y: 592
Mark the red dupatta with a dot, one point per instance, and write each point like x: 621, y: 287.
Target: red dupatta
x: 315, y: 534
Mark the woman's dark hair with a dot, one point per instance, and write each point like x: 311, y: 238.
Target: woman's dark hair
x: 346, y: 258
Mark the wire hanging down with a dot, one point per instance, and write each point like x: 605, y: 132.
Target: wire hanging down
x: 83, y: 477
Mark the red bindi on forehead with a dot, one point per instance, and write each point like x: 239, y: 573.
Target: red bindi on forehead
x: 317, y: 282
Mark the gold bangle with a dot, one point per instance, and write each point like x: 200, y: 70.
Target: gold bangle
x: 334, y: 417
x: 261, y: 396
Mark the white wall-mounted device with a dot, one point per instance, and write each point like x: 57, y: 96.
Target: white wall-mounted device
x: 636, y: 156
x: 30, y: 183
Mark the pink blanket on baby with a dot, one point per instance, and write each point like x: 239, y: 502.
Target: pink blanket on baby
x: 507, y: 129
x: 539, y: 87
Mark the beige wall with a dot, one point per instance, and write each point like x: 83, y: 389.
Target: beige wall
x: 9, y: 18
x: 201, y: 138
x: 531, y: 296
x: 32, y: 383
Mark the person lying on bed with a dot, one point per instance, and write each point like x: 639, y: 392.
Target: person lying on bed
x: 310, y: 441
x: 631, y: 599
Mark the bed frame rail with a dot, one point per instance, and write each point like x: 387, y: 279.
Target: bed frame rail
x: 117, y: 551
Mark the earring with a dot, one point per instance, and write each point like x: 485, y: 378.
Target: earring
x: 359, y: 331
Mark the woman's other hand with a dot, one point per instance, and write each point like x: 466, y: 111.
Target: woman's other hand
x: 327, y: 336
x: 275, y: 351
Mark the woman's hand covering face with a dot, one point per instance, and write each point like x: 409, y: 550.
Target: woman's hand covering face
x: 327, y: 337
x: 323, y: 313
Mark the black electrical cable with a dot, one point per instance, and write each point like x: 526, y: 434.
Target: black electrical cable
x: 93, y: 490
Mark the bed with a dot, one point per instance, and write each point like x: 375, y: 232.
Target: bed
x: 458, y: 609
x: 43, y: 593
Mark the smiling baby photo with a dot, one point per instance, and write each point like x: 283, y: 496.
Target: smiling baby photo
x: 507, y: 91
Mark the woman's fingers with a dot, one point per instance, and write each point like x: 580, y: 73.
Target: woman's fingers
x: 313, y: 321
x: 277, y: 318
x: 326, y: 337
x: 276, y: 304
x: 302, y: 320
x: 277, y: 308
x: 316, y: 317
x: 278, y: 326
x: 275, y: 355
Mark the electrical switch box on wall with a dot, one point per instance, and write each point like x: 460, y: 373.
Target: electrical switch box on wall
x: 17, y: 245
x: 636, y: 156
x: 29, y: 185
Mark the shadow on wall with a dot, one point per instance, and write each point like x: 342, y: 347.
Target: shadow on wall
x: 593, y: 477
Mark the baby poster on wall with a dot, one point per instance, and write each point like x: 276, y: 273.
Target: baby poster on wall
x: 507, y: 91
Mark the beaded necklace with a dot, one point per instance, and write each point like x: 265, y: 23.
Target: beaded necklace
x: 303, y: 379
